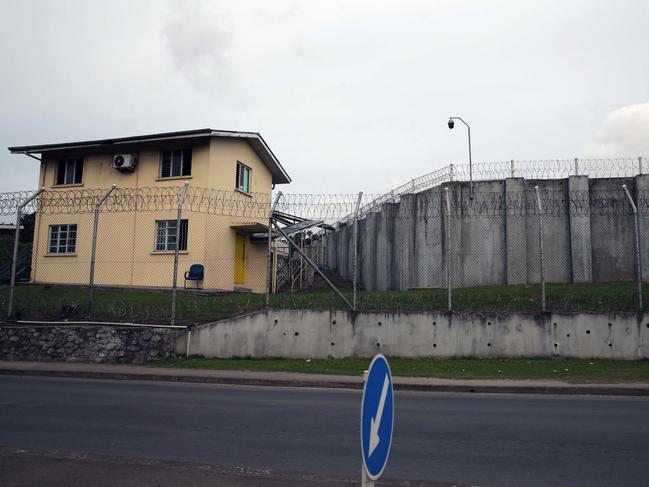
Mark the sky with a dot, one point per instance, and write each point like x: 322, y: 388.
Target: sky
x: 350, y: 95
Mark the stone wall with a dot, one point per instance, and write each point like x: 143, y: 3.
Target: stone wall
x: 86, y: 343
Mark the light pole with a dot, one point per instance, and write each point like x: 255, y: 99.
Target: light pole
x: 451, y: 124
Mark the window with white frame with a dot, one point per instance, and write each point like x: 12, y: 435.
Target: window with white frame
x: 68, y: 171
x: 243, y: 177
x: 166, y: 233
x: 175, y: 163
x: 63, y: 239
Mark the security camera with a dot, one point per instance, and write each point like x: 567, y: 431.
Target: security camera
x: 451, y: 123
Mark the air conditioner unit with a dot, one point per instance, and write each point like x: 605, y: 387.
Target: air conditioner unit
x: 125, y: 162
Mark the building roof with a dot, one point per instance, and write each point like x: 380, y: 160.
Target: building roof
x: 255, y: 140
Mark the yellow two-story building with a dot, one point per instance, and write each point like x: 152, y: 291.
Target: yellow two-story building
x: 137, y: 239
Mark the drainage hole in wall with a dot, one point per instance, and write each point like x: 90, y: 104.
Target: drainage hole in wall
x: 434, y: 345
x: 333, y: 322
x: 587, y: 332
x: 556, y: 345
x: 379, y: 323
x: 488, y: 323
x: 554, y: 324
x: 488, y: 344
x: 296, y: 333
x: 284, y: 333
x: 610, y: 324
x: 275, y: 321
x: 435, y: 322
x: 568, y: 335
x: 333, y: 344
x: 610, y: 344
x: 378, y: 344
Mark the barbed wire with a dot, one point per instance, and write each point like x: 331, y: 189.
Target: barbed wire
x: 9, y: 202
x: 530, y: 169
x: 334, y: 208
x: 328, y: 207
x: 554, y: 203
x: 203, y: 200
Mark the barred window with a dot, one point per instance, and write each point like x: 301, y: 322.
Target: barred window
x: 63, y: 239
x: 243, y: 177
x: 175, y: 163
x: 166, y: 233
x: 68, y: 171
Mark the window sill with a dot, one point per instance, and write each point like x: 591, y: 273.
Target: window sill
x: 169, y: 252
x: 75, y: 185
x: 174, y: 178
x: 60, y: 254
x: 243, y: 192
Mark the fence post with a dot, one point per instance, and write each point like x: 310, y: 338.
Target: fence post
x: 541, y: 268
x: 12, y: 286
x: 639, y: 165
x: 181, y: 200
x: 638, y: 263
x: 269, y: 270
x: 355, y: 265
x: 511, y: 163
x: 451, y: 171
x: 448, y: 250
x: 93, y: 255
x: 576, y: 167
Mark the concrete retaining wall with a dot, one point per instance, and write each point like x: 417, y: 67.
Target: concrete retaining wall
x: 86, y: 343
x: 588, y: 235
x: 337, y: 334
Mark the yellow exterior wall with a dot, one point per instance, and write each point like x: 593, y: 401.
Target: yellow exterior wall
x: 125, y: 243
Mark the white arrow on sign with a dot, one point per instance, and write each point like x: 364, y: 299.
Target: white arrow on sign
x: 376, y: 421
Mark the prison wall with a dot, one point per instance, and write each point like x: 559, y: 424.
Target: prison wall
x: 588, y: 235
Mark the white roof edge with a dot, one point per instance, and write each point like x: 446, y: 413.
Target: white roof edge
x: 268, y: 156
x: 256, y: 136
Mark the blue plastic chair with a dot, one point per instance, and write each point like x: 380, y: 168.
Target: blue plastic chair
x: 195, y: 273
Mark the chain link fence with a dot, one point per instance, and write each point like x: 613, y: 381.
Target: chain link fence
x: 191, y: 255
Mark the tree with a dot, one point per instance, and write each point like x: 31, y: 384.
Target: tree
x: 27, y: 222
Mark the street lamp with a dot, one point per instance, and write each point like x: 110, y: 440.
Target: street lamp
x: 451, y: 124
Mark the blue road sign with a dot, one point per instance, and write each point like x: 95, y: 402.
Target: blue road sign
x: 377, y: 416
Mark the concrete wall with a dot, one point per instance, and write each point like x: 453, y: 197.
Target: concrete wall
x: 588, y: 235
x: 612, y: 235
x: 338, y: 334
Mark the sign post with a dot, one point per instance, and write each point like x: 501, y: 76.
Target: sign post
x: 377, y: 418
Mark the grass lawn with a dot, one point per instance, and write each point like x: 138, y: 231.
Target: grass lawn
x: 131, y: 305
x: 569, y: 370
x: 46, y: 302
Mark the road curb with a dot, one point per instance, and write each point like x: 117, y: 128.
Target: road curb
x: 598, y: 390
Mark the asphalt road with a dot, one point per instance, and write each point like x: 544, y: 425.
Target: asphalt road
x: 486, y: 440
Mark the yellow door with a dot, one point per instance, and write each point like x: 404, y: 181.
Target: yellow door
x: 240, y: 260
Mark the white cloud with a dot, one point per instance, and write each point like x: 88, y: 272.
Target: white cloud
x: 624, y: 133
x: 351, y: 95
x: 199, y: 37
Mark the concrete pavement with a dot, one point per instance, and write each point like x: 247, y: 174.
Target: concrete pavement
x: 21, y: 467
x: 291, y: 379
x: 489, y: 440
